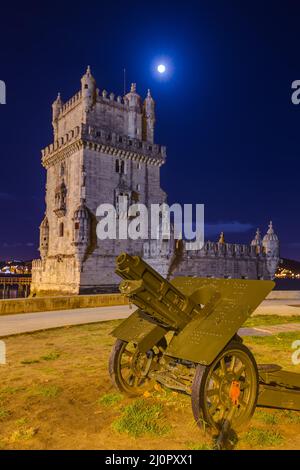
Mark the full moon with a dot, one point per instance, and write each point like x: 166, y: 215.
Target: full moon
x: 161, y: 68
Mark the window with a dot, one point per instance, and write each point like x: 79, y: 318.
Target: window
x: 139, y: 165
x: 76, y: 225
x: 61, y: 230
x: 138, y: 187
x: 120, y: 166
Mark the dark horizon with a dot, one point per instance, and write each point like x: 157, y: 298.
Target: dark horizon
x: 225, y: 112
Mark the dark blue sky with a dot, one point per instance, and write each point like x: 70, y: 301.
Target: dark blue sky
x: 225, y: 113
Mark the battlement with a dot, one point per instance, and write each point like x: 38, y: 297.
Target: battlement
x: 216, y: 249
x: 37, y: 264
x: 123, y: 143
x: 70, y: 104
x: 111, y: 99
x: 109, y: 142
x: 70, y: 136
x: 103, y: 97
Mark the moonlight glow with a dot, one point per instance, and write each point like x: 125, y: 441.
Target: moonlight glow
x: 161, y: 68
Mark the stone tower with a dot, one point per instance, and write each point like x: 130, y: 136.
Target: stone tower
x: 103, y: 149
x: 103, y: 152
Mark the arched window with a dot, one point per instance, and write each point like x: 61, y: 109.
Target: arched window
x: 117, y: 166
x: 61, y: 230
x: 122, y: 167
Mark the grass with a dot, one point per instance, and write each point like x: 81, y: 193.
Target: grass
x: 141, y: 418
x: 258, y: 437
x: 267, y: 417
x: 3, y: 413
x: 290, y: 417
x: 199, y: 446
x: 9, y: 391
x: 21, y: 421
x: 267, y: 320
x: 22, y: 434
x: 30, y: 361
x: 77, y: 407
x: 283, y: 340
x: 50, y: 356
x: 110, y: 399
x: 50, y: 391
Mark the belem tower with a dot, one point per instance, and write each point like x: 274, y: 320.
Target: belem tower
x: 103, y: 149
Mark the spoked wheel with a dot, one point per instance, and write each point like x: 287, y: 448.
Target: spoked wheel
x: 227, y: 389
x: 129, y: 368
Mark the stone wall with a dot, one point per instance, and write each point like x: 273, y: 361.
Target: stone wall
x: 44, y: 304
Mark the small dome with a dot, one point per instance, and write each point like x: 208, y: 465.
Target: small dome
x: 149, y: 97
x: 88, y: 77
x: 149, y: 104
x: 133, y: 98
x: 81, y: 212
x: 270, y: 235
x: 58, y: 100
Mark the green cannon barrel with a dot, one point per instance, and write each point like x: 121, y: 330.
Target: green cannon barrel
x: 155, y: 296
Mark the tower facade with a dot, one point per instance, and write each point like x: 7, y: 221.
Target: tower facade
x: 104, y: 152
x: 103, y: 149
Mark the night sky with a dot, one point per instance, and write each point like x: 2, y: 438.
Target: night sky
x: 224, y: 110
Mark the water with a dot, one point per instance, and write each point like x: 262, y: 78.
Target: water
x: 287, y: 284
x: 12, y: 293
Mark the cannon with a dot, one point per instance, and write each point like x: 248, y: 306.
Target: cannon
x: 183, y: 335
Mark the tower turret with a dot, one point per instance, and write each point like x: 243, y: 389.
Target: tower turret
x: 271, y: 248
x: 56, y: 109
x: 133, y: 101
x: 257, y: 241
x: 44, y: 237
x: 88, y: 90
x: 81, y: 232
x: 148, y: 118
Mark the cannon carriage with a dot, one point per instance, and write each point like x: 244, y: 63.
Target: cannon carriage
x: 183, y: 335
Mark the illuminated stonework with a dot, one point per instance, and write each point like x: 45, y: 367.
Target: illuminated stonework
x: 104, y: 148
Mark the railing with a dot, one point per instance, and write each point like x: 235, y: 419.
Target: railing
x: 18, y: 285
x: 13, y: 279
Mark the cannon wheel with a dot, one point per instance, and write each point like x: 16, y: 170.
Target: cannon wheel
x: 129, y: 368
x: 231, y: 381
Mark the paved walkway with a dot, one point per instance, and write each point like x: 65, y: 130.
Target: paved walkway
x: 282, y: 307
x: 28, y: 322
